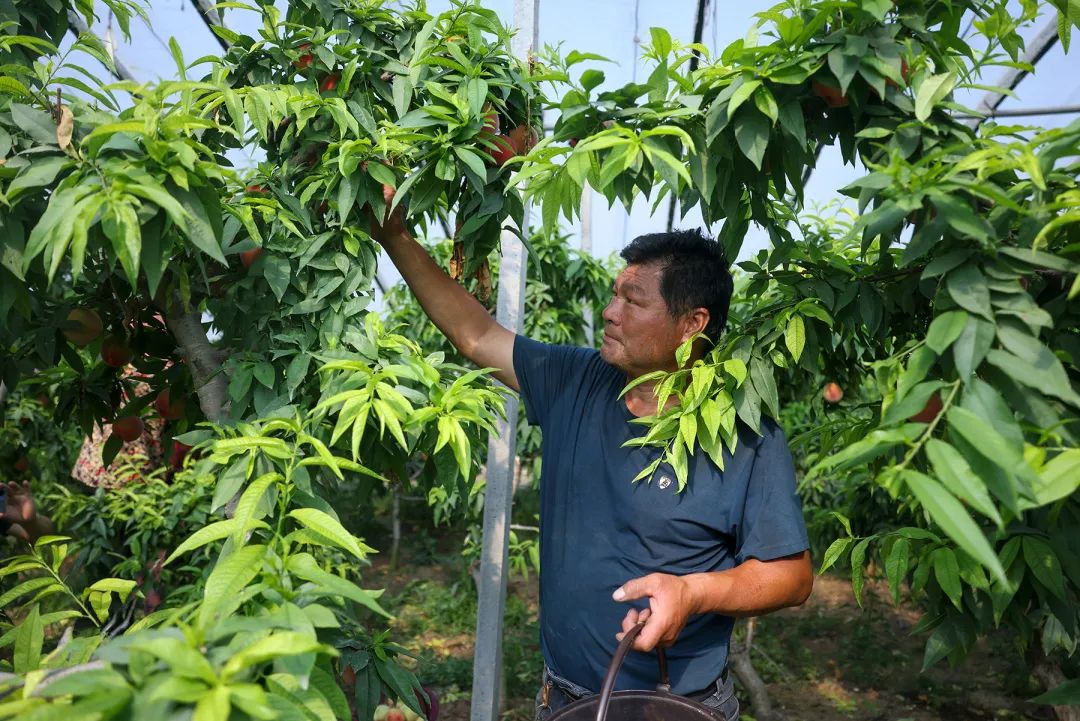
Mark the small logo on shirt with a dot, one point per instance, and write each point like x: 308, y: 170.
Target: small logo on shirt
x: 664, y: 482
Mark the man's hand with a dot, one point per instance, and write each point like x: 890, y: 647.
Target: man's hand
x: 26, y: 522
x: 753, y: 588
x: 392, y: 226
x: 20, y: 503
x: 671, y: 603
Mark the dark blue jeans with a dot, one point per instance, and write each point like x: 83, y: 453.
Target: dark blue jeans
x: 556, y: 693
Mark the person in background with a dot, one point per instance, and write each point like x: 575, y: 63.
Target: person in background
x: 19, y: 516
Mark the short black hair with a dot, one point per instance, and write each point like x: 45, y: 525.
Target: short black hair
x: 694, y: 273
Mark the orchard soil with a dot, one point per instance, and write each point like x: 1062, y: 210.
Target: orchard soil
x: 828, y: 660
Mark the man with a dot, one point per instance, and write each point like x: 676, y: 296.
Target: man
x: 731, y: 544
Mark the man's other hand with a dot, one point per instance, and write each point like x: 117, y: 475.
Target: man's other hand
x: 392, y: 226
x: 670, y: 604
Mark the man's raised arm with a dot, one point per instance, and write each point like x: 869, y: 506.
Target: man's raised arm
x: 453, y: 310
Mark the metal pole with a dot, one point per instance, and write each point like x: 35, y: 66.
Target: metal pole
x: 699, y: 28
x: 1025, y: 112
x: 498, y: 498
x: 1012, y: 76
x: 209, y: 14
x: 586, y: 249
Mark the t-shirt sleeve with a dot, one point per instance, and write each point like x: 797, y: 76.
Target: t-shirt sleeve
x: 542, y: 372
x: 772, y: 524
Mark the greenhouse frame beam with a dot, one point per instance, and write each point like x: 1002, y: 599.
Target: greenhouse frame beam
x: 1013, y: 76
x: 502, y: 446
x: 1025, y: 112
x: 209, y: 15
x: 78, y: 26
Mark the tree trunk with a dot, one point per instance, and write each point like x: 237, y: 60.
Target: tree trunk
x: 395, y: 525
x: 1048, y: 673
x: 740, y: 664
x: 204, y: 361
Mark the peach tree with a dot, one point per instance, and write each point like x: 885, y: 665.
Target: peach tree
x: 126, y: 227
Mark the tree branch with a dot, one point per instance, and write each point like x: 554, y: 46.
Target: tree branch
x: 204, y: 361
x: 740, y: 664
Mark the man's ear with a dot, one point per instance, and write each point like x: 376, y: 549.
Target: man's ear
x: 695, y: 322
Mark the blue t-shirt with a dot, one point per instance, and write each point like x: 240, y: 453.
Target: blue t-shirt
x: 599, y: 530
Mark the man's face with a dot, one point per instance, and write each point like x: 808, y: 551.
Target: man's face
x: 639, y: 333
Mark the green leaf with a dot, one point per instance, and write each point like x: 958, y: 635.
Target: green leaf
x: 962, y: 218
x: 844, y: 64
x: 931, y: 91
x: 793, y: 123
x: 741, y: 95
x: 945, y: 329
x: 868, y: 448
x: 277, y: 272
x: 199, y: 230
x: 213, y: 706
x: 248, y: 507
x: 281, y: 643
x: 34, y: 584
x: 328, y: 526
x: 1044, y: 565
x: 401, y: 681
x: 229, y: 577
x: 896, y: 566
x: 968, y: 288
x: 403, y: 92
x: 795, y: 336
x: 761, y: 374
x: 36, y: 123
x: 858, y: 559
x: 28, y: 641
x: 327, y: 685
x: 1065, y: 694
x: 38, y: 174
x: 833, y: 553
x: 752, y: 134
x: 912, y: 403
x: 182, y: 659
x: 1059, y: 478
x: 947, y: 573
x: 919, y: 364
x: 953, y: 518
x: 83, y: 682
x: 303, y: 566
x: 985, y: 438
x: 971, y: 347
x: 472, y: 160
x: 1033, y: 361
x: 955, y: 473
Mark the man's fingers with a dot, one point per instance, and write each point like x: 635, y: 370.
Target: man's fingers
x: 650, y: 635
x: 634, y: 588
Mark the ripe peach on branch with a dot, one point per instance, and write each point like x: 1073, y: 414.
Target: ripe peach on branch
x: 832, y: 392
x: 82, y: 327
x: 128, y: 428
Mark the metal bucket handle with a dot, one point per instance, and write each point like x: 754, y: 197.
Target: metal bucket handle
x: 616, y: 663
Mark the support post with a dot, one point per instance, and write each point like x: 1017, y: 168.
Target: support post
x: 510, y: 306
x: 586, y: 248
